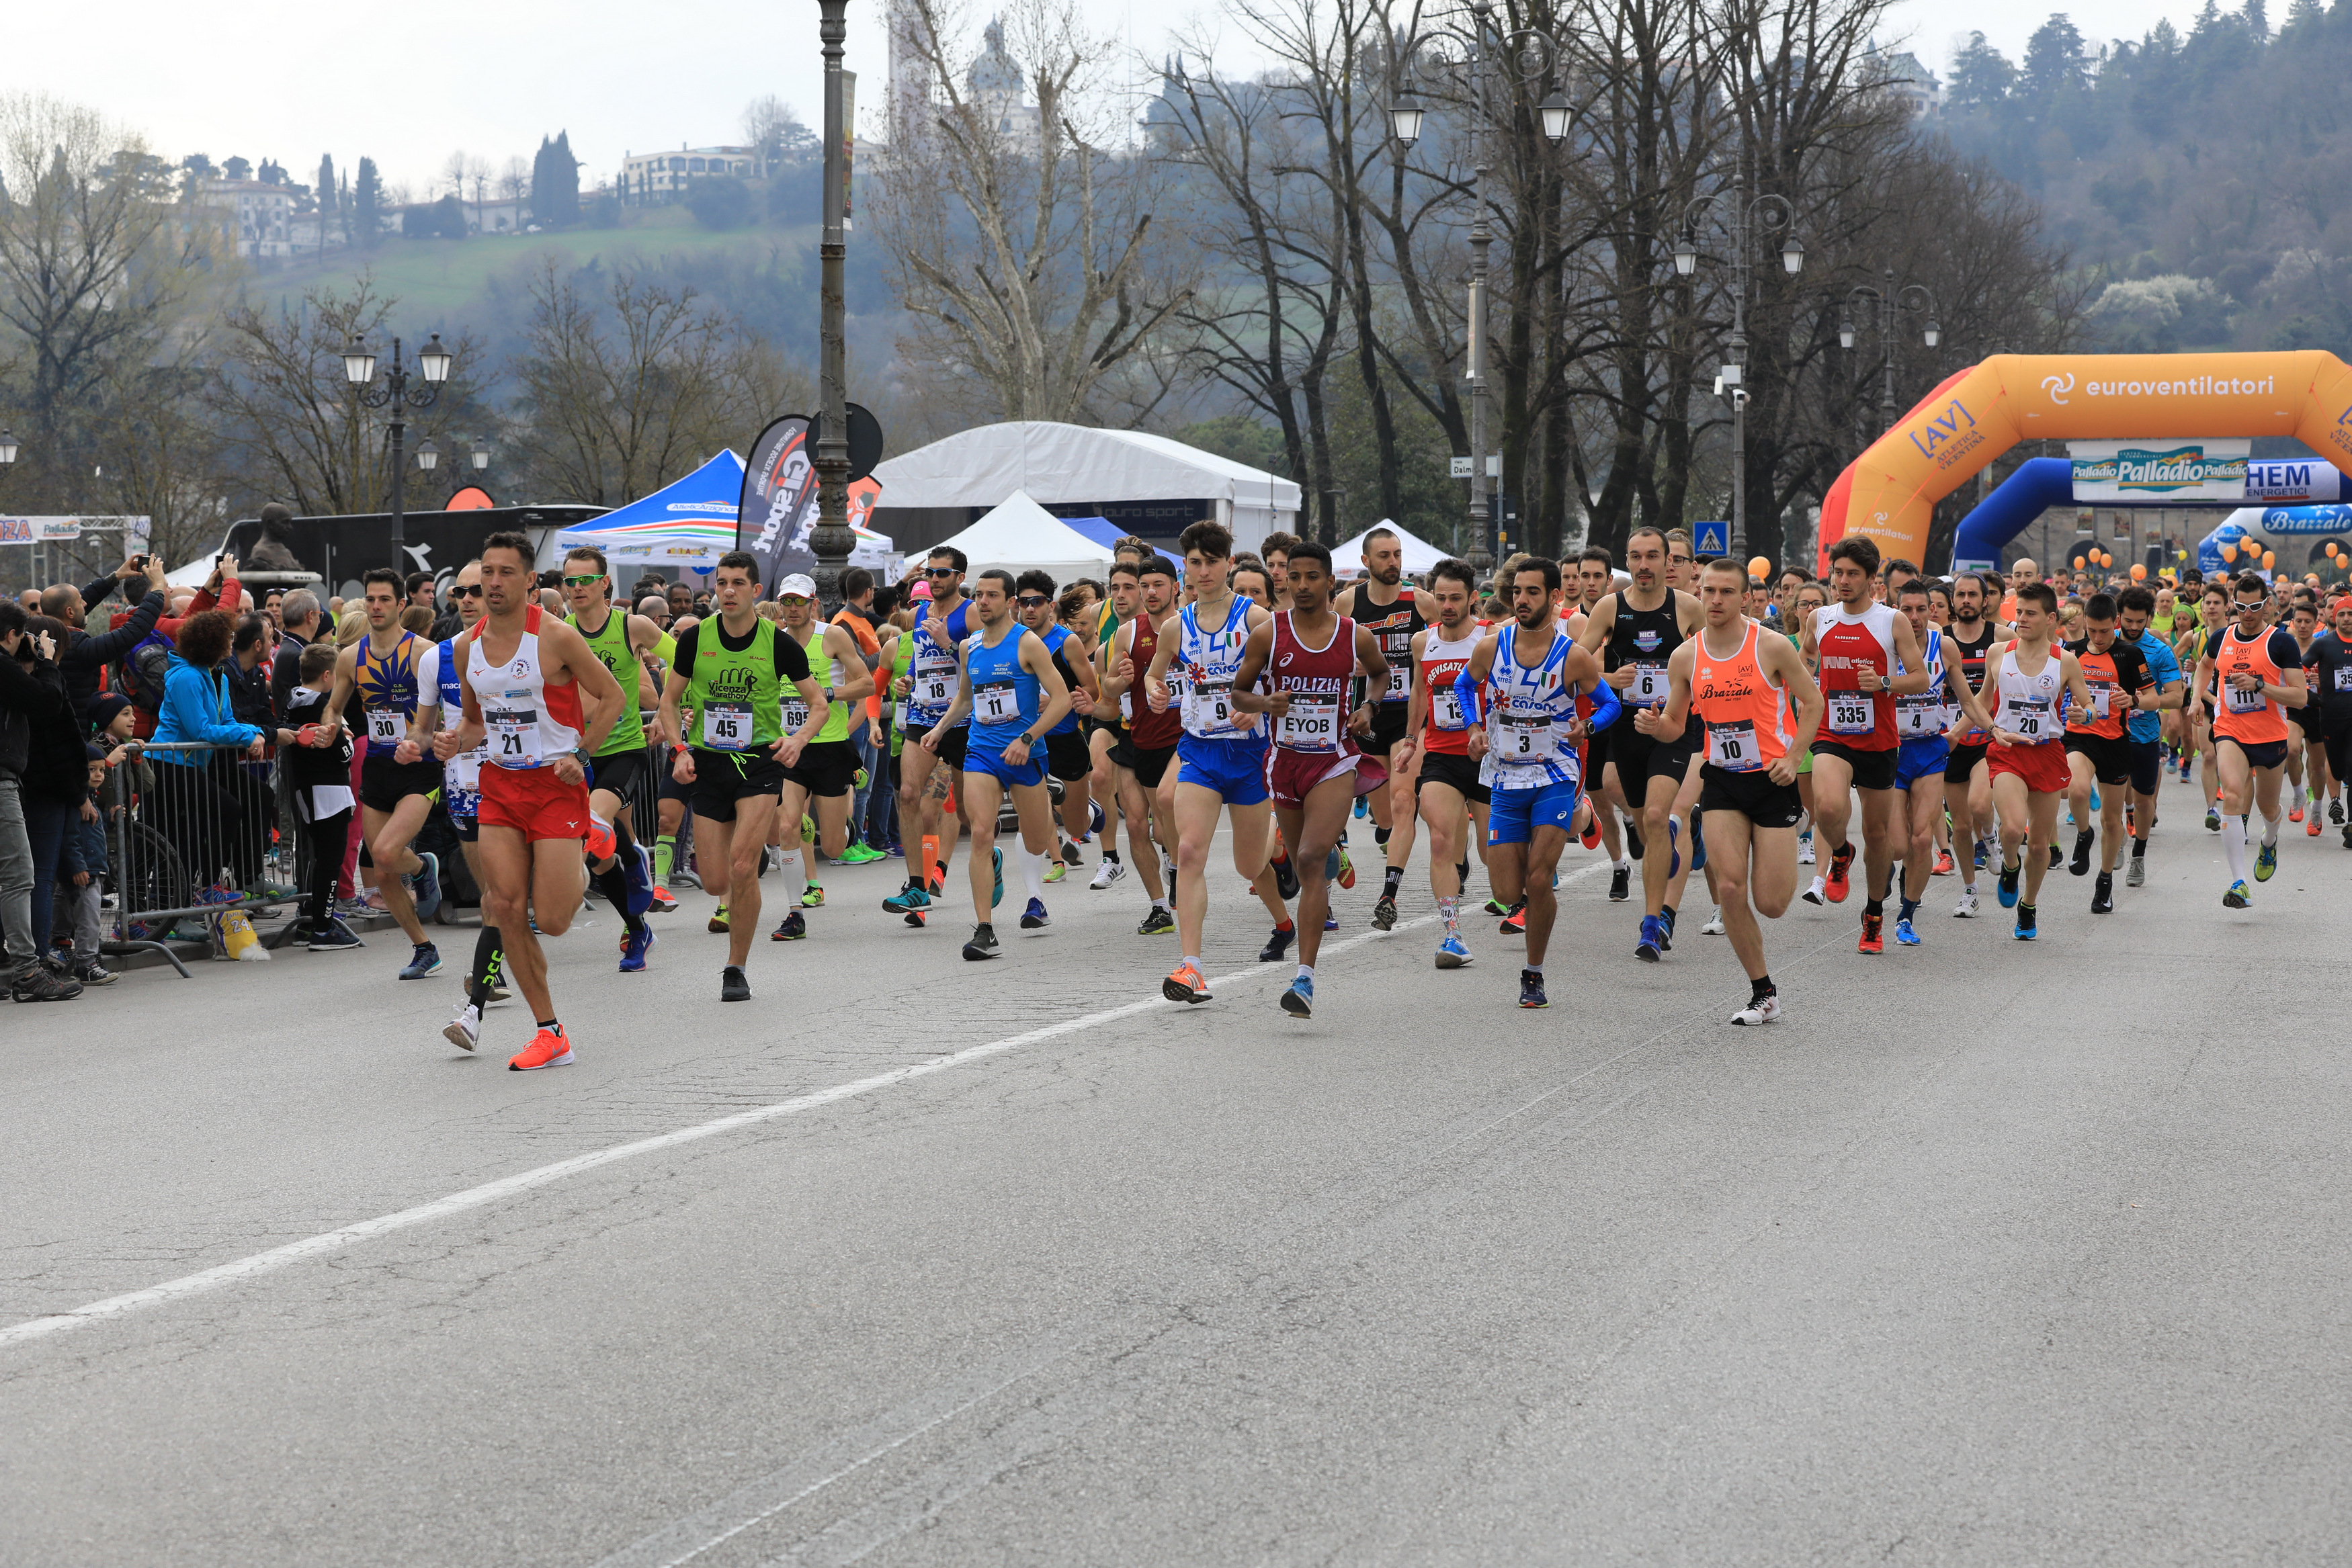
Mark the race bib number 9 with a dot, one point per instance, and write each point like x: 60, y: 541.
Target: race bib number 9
x: 727, y: 726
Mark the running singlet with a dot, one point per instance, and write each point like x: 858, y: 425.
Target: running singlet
x: 796, y: 712
x: 1209, y: 659
x: 933, y: 670
x: 1394, y: 626
x: 1642, y: 640
x: 1527, y: 707
x: 2112, y: 677
x: 1739, y: 705
x: 1448, y: 732
x: 2250, y: 717
x: 610, y: 644
x: 2029, y: 704
x: 734, y: 691
x: 1003, y: 693
x: 1316, y: 680
x: 1054, y: 637
x: 1148, y: 731
x: 1858, y: 720
x: 462, y: 774
x: 388, y: 690
x: 527, y: 722
x: 1971, y: 654
x: 1923, y: 716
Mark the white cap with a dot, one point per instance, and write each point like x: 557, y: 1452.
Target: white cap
x: 800, y: 584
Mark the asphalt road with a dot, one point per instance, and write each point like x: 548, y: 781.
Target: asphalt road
x: 1989, y: 1253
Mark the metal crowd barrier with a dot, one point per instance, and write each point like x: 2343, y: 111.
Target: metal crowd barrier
x: 166, y: 849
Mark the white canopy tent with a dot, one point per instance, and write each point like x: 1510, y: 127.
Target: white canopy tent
x: 1070, y: 465
x: 1019, y: 535
x: 1420, y: 555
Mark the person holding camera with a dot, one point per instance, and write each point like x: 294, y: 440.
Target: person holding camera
x: 32, y: 701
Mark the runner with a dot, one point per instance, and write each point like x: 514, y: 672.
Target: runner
x: 1634, y: 633
x: 1011, y: 692
x: 1066, y: 758
x: 398, y: 784
x: 1395, y: 614
x: 1741, y: 680
x: 620, y: 866
x: 2250, y: 673
x: 732, y: 670
x: 544, y: 704
x: 2212, y: 614
x: 928, y: 688
x: 2153, y: 714
x: 1222, y: 755
x: 1924, y: 720
x: 2098, y: 750
x: 1147, y: 739
x: 1858, y: 646
x: 1971, y: 634
x: 2332, y: 659
x: 1307, y: 656
x: 824, y: 778
x: 441, y: 703
x: 2306, y: 752
x: 2024, y: 678
x: 1524, y: 680
x: 1448, y: 791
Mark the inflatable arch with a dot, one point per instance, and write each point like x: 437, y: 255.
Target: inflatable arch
x: 1890, y: 491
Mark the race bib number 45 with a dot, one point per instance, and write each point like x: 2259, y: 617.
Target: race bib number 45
x: 727, y: 726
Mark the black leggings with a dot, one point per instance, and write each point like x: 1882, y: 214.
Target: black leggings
x: 324, y: 844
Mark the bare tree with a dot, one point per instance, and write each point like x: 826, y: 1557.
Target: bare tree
x: 514, y: 179
x: 1023, y: 251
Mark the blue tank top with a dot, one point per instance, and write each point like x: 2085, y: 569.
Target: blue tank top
x: 1003, y: 693
x: 1053, y: 636
x: 387, y: 691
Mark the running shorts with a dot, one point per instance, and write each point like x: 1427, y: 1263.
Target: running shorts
x: 826, y: 768
x: 1013, y: 776
x: 1962, y: 764
x: 2043, y: 767
x: 1387, y: 728
x: 2339, y: 740
x: 1456, y: 772
x: 1640, y: 757
x: 1066, y: 756
x: 1871, y: 769
x: 1149, y: 765
x: 619, y: 772
x: 533, y: 803
x: 2259, y: 753
x: 1233, y: 767
x: 384, y: 783
x: 1514, y: 815
x: 1291, y: 775
x: 1915, y: 760
x: 723, y: 778
x: 1752, y: 794
x: 2111, y: 757
x: 952, y: 742
x: 2147, y: 765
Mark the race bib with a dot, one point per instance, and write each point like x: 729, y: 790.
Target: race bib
x: 1126, y: 706
x: 1399, y: 684
x: 1216, y: 702
x: 797, y: 714
x: 2102, y: 701
x: 1650, y: 684
x: 1444, y: 707
x: 513, y: 736
x: 1920, y: 715
x: 2031, y: 718
x: 2245, y: 702
x: 898, y: 713
x: 995, y: 702
x: 935, y: 690
x: 1311, y: 725
x: 2344, y: 677
x: 384, y: 727
x: 1851, y: 713
x: 727, y: 726
x: 1731, y: 746
x: 1526, y: 737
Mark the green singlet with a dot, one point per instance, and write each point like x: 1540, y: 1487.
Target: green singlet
x: 610, y: 644
x: 736, y: 693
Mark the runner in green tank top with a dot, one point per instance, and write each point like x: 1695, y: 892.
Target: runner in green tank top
x: 620, y: 771
x: 823, y: 779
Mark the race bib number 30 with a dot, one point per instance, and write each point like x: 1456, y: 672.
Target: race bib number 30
x: 384, y: 728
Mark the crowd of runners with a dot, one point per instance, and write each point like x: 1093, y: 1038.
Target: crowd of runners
x: 1778, y: 739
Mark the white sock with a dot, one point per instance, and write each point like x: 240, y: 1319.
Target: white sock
x: 1032, y: 870
x: 795, y: 877
x: 1163, y: 903
x: 1622, y: 864
x: 2233, y: 844
x: 2298, y: 798
x: 1193, y: 959
x: 1307, y: 972
x: 2269, y: 829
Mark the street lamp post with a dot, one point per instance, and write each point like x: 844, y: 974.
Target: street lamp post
x: 1746, y: 220
x: 832, y: 539
x: 359, y: 369
x: 1889, y: 300
x: 1534, y: 52
x: 481, y: 454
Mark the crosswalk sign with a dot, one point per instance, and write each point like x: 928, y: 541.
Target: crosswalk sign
x: 1710, y: 539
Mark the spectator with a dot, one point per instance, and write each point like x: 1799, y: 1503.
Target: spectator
x: 248, y: 676
x: 681, y: 600
x: 655, y: 608
x: 300, y: 613
x: 81, y: 873
x: 28, y: 701
x: 317, y: 772
x: 201, y: 807
x: 420, y: 591
x: 418, y: 619
x: 84, y: 657
x: 273, y: 607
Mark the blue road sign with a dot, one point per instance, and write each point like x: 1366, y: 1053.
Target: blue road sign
x: 1711, y: 538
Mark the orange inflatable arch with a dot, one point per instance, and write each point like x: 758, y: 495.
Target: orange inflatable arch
x: 1891, y: 490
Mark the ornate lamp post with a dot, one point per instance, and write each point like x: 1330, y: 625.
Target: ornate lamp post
x: 832, y: 538
x: 1741, y: 222
x: 359, y: 369
x: 1890, y: 301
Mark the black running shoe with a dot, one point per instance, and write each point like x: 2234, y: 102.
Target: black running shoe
x: 1633, y: 845
x: 732, y: 986
x: 1278, y: 943
x: 1531, y: 990
x: 2102, y: 893
x: 1384, y: 913
x: 1286, y: 879
x: 2081, y: 864
x: 982, y: 944
x: 793, y: 929
x: 1159, y: 923
x: 2057, y: 857
x: 1621, y: 885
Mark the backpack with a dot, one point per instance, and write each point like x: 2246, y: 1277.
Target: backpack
x: 138, y: 674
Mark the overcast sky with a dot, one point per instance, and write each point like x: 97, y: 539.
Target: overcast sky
x: 409, y: 85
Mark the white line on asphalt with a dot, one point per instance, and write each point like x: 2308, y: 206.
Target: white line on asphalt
x: 523, y: 1181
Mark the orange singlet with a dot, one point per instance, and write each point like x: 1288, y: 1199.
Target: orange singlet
x: 1740, y: 705
x: 2248, y: 717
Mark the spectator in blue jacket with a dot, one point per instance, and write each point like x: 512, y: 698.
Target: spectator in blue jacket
x: 202, y: 805
x: 81, y: 875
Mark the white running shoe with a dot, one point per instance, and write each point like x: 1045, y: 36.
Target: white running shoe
x: 1759, y: 1010
x: 1967, y: 907
x: 1818, y: 892
x: 1106, y: 873
x: 465, y: 1030
x: 1714, y: 927
x: 1805, y: 852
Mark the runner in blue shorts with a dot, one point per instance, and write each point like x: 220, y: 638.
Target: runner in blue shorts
x: 1923, y: 722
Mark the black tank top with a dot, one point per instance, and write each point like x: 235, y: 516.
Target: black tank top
x: 1646, y: 637
x: 1970, y: 655
x: 1395, y: 627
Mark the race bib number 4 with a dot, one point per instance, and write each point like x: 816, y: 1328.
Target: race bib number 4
x: 727, y: 726
x: 1851, y: 713
x: 1731, y: 746
x: 1311, y: 725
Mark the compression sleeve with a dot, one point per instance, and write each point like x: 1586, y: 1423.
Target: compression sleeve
x: 1465, y: 692
x: 666, y: 649
x: 1605, y: 707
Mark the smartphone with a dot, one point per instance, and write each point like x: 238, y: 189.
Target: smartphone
x: 139, y: 562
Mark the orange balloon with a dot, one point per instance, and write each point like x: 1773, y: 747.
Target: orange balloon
x: 2229, y: 550
x: 2139, y: 573
x: 2270, y: 559
x: 1761, y: 566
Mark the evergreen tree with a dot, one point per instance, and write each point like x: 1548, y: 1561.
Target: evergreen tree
x: 2055, y: 58
x: 2298, y: 13
x: 1982, y: 75
x: 555, y: 182
x: 326, y: 183
x: 366, y: 204
x: 242, y: 168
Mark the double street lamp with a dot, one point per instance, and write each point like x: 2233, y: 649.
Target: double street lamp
x: 1533, y: 53
x: 1890, y: 301
x: 395, y: 394
x: 1741, y: 222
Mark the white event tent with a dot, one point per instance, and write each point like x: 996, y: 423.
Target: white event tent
x: 1420, y: 555
x: 1019, y: 535
x: 1071, y: 465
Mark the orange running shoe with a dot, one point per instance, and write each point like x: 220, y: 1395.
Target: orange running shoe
x: 2312, y: 826
x: 602, y: 844
x: 548, y: 1047
x: 1944, y: 863
x: 2295, y: 815
x: 1872, y: 933
x: 1185, y: 985
x: 1838, y: 883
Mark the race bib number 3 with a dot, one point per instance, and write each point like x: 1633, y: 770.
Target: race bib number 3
x: 1850, y: 713
x: 727, y: 726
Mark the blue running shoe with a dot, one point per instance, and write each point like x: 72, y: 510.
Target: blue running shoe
x: 1363, y: 808
x: 425, y: 960
x: 1652, y: 946
x: 637, y: 871
x: 1531, y: 991
x: 1905, y: 936
x: 2026, y: 929
x: 1330, y: 923
x: 908, y: 899
x: 1674, y: 843
x: 996, y: 863
x: 634, y: 948
x: 2266, y: 863
x: 1035, y: 917
x: 425, y: 886
x: 1698, y: 850
x: 1299, y: 1000
x: 2007, y: 885
x: 1452, y: 955
x: 1093, y: 817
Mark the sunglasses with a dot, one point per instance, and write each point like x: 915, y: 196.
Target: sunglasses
x: 582, y: 582
x: 2243, y: 605
x: 464, y: 590
x: 943, y: 571
x: 1030, y: 601
x: 793, y: 599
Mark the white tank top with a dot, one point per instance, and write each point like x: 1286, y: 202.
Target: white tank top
x: 2029, y: 704
x: 1923, y: 715
x: 526, y: 722
x: 1208, y: 660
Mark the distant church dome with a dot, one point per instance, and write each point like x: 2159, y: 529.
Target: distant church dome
x: 994, y: 72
